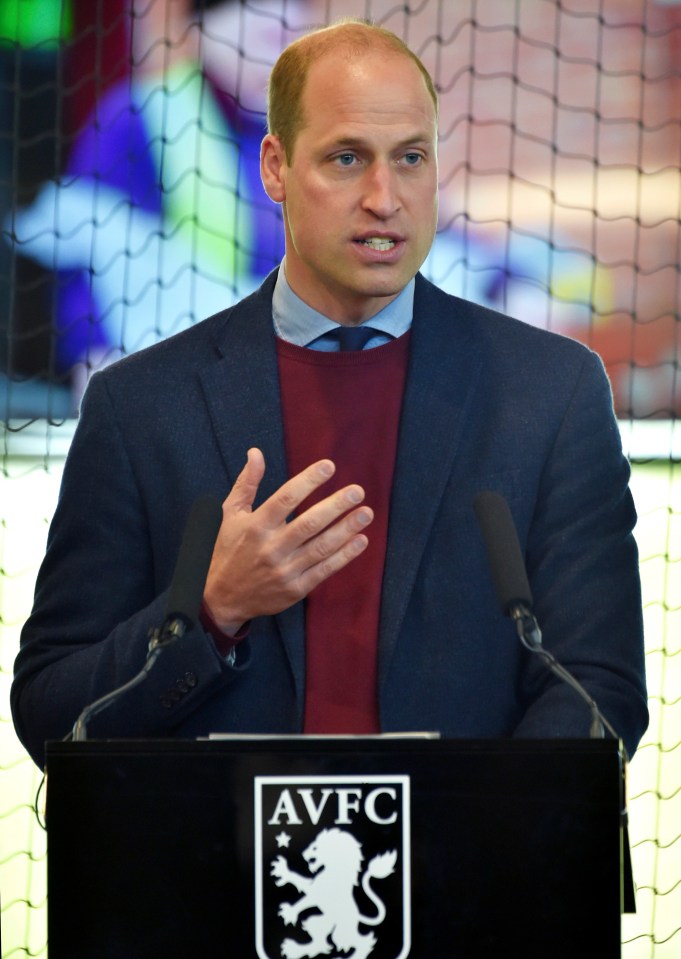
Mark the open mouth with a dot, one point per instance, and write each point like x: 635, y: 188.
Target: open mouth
x: 378, y: 243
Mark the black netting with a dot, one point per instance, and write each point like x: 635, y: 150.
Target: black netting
x: 130, y: 207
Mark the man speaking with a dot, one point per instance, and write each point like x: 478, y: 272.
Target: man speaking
x: 347, y: 414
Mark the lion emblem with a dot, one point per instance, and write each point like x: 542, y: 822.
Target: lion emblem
x: 334, y: 859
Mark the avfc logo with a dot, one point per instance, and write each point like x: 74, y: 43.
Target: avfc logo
x: 332, y: 867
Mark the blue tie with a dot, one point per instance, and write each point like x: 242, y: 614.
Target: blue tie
x: 351, y: 337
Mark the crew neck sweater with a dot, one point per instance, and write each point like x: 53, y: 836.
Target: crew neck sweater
x: 345, y: 407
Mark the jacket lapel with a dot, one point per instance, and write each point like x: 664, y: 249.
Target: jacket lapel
x: 444, y: 366
x: 241, y: 390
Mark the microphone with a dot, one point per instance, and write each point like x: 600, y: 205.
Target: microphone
x: 184, y: 600
x: 191, y: 569
x: 509, y: 576
x: 503, y: 550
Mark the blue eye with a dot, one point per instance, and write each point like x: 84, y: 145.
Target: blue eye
x: 411, y: 159
x: 346, y: 159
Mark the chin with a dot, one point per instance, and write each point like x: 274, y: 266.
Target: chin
x: 388, y: 288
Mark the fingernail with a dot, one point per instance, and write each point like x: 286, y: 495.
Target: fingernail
x: 364, y: 518
x: 354, y: 495
x: 326, y: 469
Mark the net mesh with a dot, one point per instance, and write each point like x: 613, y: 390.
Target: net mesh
x: 130, y: 207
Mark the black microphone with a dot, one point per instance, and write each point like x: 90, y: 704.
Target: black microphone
x: 184, y: 599
x: 507, y: 568
x: 193, y: 560
x: 503, y: 550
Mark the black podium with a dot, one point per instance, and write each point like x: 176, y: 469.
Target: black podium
x: 383, y: 847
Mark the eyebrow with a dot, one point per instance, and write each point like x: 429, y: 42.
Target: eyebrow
x: 354, y: 142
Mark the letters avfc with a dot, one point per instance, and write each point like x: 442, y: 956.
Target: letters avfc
x: 332, y: 867
x: 346, y: 802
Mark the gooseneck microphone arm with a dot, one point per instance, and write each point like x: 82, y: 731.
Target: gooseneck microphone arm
x: 530, y: 636
x: 184, y: 601
x: 79, y: 731
x: 512, y: 588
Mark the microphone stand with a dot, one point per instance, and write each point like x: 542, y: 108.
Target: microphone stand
x: 530, y: 636
x: 184, y: 600
x: 172, y: 630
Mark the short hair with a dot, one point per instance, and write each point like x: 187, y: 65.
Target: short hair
x: 289, y: 74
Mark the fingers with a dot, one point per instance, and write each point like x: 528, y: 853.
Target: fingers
x: 262, y: 563
x: 318, y: 533
x: 245, y: 488
x: 332, y: 550
x: 276, y: 510
x: 322, y: 536
x: 311, y: 524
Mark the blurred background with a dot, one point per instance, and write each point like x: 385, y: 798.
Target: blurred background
x: 131, y: 207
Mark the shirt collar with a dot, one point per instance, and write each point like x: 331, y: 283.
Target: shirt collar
x: 300, y: 324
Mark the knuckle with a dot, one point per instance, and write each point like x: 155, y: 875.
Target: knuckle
x: 269, y: 558
x: 325, y: 569
x: 323, y: 548
x: 287, y: 500
x: 291, y: 589
x: 308, y: 525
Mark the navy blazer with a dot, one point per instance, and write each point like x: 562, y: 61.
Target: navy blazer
x: 490, y: 403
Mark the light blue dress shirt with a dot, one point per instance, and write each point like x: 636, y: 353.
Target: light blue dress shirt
x: 300, y: 324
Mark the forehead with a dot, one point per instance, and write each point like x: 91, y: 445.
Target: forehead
x: 377, y: 90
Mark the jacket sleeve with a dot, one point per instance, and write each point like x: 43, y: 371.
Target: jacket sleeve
x: 101, y: 590
x: 582, y: 563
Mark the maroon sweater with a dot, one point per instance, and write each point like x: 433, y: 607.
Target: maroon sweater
x: 345, y: 407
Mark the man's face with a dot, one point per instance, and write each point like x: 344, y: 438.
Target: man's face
x: 360, y: 192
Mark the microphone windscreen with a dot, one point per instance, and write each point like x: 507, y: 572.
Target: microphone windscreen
x: 505, y: 558
x: 193, y: 560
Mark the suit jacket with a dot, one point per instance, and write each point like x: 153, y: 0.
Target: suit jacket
x: 490, y: 403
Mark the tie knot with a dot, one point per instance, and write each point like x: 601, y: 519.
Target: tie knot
x: 352, y: 337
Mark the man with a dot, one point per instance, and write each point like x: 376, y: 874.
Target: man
x: 349, y: 588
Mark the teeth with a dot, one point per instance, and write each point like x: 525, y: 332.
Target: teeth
x: 379, y: 243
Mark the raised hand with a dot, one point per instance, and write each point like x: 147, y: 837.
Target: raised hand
x: 263, y: 564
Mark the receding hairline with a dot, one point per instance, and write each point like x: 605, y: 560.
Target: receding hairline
x: 352, y: 35
x: 348, y: 37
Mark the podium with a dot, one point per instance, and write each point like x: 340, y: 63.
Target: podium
x: 385, y: 847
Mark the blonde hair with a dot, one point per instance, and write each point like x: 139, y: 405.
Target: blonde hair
x: 289, y: 75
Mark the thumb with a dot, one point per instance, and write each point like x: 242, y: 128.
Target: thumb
x: 244, y: 491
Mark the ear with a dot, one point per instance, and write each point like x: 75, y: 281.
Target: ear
x: 273, y: 168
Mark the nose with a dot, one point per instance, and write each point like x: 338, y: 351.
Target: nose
x: 380, y: 191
